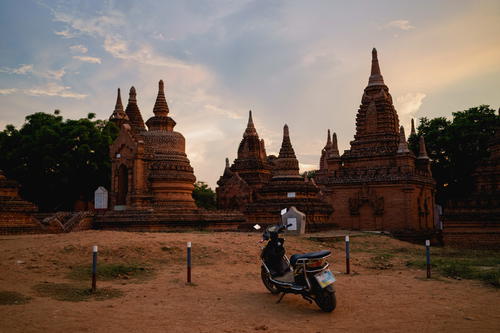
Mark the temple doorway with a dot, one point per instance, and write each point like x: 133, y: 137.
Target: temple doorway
x: 121, y: 197
x: 366, y: 217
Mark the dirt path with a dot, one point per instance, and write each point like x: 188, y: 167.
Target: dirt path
x: 228, y: 295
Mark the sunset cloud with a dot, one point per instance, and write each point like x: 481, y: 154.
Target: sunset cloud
x: 7, y: 91
x: 92, y: 60
x: 53, y: 89
x: 78, y: 49
x: 407, y: 107
x: 21, y: 70
x: 400, y: 24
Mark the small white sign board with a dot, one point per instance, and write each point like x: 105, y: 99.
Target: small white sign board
x: 296, y: 218
x: 283, y: 211
x: 101, y: 198
x: 290, y: 194
x: 293, y: 222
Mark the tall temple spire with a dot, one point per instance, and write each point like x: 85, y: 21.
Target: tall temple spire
x: 413, y: 132
x: 422, y: 151
x: 161, y: 107
x: 118, y: 105
x: 250, y: 130
x: 377, y: 123
x: 286, y: 150
x: 334, y: 151
x: 160, y: 121
x: 375, y: 76
x: 403, y: 144
x: 328, y: 140
x: 133, y: 112
x: 119, y: 116
x: 286, y: 164
x: 227, y: 172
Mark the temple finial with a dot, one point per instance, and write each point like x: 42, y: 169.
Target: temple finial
x: 286, y: 150
x: 403, y: 144
x: 227, y: 162
x: 118, y: 105
x: 250, y: 130
x: 413, y: 132
x: 334, y: 150
x: 285, y: 131
x: 119, y: 116
x: 422, y: 151
x: 133, y: 112
x: 328, y: 139
x: 161, y: 106
x: 132, y: 95
x: 375, y: 75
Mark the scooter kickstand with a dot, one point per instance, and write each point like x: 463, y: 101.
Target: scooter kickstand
x: 281, y: 297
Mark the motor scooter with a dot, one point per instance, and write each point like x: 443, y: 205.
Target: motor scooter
x: 304, y: 274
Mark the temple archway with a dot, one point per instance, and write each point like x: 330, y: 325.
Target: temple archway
x: 121, y: 196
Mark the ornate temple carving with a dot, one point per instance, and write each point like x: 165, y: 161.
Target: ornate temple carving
x: 366, y: 196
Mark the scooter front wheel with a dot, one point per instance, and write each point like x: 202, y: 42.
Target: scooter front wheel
x: 266, y: 279
x: 326, y: 299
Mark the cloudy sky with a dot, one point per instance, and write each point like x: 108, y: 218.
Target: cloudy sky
x: 304, y: 63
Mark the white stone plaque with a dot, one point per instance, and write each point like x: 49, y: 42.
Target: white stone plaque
x: 293, y: 222
x: 101, y: 198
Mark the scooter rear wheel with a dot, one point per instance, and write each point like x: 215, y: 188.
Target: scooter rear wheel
x: 326, y: 300
x: 266, y: 279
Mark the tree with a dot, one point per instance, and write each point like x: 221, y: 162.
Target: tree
x: 204, y: 196
x: 57, y: 161
x: 456, y: 147
x: 309, y: 174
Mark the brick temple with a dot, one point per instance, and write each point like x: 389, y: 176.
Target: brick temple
x: 474, y: 220
x: 250, y: 171
x: 378, y: 184
x: 152, y: 180
x: 261, y: 186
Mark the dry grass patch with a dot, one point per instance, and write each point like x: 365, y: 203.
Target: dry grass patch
x: 75, y: 293
x: 113, y: 271
x: 13, y: 298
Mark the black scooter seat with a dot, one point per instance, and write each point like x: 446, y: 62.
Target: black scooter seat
x: 311, y: 255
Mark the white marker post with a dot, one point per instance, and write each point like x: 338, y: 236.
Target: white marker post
x: 94, y: 267
x: 189, y: 262
x: 428, y: 255
x: 347, y: 255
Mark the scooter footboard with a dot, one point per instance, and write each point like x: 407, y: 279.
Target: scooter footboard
x: 277, y: 267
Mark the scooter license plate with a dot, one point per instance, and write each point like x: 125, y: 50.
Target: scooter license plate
x: 325, y: 278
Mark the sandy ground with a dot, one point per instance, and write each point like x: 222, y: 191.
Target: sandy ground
x: 227, y: 295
